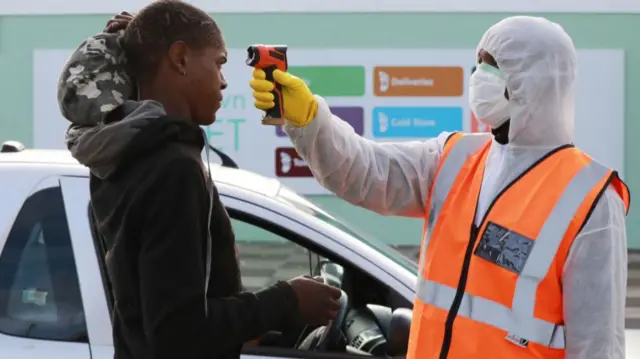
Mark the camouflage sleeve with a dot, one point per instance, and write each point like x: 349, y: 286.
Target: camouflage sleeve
x: 94, y: 80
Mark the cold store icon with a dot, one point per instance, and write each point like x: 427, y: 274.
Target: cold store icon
x: 383, y: 122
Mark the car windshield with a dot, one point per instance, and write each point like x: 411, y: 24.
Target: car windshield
x: 292, y: 198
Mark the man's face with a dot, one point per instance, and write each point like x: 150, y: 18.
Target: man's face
x: 206, y: 83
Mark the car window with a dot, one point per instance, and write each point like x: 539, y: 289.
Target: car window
x: 291, y: 198
x: 39, y: 291
x: 266, y: 257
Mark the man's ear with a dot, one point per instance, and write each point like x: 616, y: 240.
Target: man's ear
x: 179, y: 57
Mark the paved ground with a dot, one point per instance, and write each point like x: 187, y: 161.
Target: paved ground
x: 264, y: 263
x: 633, y: 292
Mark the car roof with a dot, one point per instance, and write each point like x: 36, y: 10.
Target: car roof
x: 230, y: 176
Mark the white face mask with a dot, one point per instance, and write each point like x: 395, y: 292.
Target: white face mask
x: 486, y: 95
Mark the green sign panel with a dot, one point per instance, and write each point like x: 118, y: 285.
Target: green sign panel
x: 330, y: 81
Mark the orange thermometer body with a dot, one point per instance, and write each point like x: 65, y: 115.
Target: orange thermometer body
x: 269, y: 58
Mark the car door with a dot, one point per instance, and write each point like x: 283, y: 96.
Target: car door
x: 41, y: 307
x: 273, y: 246
x: 75, y: 191
x: 91, y: 270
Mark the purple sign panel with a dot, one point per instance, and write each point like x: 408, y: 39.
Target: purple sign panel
x: 352, y: 115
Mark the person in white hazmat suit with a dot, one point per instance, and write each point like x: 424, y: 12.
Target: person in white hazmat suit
x: 524, y: 90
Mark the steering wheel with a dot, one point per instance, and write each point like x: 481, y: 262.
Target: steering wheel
x: 330, y: 337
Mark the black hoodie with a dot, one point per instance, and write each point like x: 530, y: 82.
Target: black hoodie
x: 156, y: 208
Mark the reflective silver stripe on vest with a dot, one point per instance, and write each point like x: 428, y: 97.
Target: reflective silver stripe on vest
x: 494, y: 314
x: 519, y: 320
x: 467, y: 145
x: 546, y: 245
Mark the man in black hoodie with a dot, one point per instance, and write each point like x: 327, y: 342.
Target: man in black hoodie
x: 171, y: 249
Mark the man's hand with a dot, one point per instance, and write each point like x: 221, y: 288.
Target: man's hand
x: 300, y: 106
x: 318, y: 303
x: 118, y: 22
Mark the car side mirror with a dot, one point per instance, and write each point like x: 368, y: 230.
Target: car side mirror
x: 398, y: 336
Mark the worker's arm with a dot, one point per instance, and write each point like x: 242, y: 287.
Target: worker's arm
x: 595, y: 283
x: 172, y: 276
x: 388, y: 178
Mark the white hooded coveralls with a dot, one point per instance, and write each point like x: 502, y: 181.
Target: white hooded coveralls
x: 539, y: 60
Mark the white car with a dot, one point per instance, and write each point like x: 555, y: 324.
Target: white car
x: 54, y: 295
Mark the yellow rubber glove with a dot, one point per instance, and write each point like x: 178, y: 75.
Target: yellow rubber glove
x: 300, y: 107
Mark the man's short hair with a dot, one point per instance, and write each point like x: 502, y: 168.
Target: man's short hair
x: 161, y: 23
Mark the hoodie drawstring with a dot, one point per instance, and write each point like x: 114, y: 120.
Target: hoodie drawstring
x: 209, y: 239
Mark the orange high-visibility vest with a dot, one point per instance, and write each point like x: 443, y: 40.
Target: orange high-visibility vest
x: 495, y: 290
